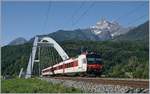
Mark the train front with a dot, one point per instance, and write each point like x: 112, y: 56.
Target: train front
x: 94, y: 63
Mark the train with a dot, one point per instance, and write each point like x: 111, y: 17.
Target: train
x: 84, y: 64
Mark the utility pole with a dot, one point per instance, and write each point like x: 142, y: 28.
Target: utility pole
x: 39, y: 61
x: 31, y: 66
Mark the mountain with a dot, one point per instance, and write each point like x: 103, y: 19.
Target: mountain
x: 140, y: 33
x: 18, y: 41
x: 113, y: 28
x: 103, y: 30
x: 77, y: 34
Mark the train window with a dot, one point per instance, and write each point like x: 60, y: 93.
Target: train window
x: 98, y: 59
x: 60, y: 67
x: 93, y: 58
x: 68, y: 65
x: 76, y: 63
x: 65, y: 65
x: 72, y: 64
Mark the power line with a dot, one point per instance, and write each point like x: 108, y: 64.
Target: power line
x: 47, y: 15
x: 139, y: 18
x: 77, y: 10
x: 39, y: 52
x: 84, y: 13
x: 130, y: 12
x: 74, y: 13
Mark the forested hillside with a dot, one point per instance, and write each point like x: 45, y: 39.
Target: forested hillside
x: 14, y: 57
x: 139, y: 33
x: 120, y: 59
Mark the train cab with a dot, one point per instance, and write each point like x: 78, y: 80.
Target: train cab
x: 94, y: 63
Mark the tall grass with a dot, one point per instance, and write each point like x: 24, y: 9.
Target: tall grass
x: 34, y: 86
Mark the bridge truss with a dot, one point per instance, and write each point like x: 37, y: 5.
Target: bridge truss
x: 45, y: 41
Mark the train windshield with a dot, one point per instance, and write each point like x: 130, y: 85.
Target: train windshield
x: 93, y: 58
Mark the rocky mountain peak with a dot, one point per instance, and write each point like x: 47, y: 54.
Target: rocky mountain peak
x: 113, y: 27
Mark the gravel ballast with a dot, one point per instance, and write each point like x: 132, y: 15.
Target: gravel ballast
x: 88, y: 87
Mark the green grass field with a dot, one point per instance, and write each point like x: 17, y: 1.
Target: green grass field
x: 34, y: 86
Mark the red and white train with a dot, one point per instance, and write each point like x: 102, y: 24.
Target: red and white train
x: 89, y: 63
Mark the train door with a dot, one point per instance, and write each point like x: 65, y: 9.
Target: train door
x: 82, y: 63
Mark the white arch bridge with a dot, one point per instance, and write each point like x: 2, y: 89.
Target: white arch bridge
x: 43, y: 42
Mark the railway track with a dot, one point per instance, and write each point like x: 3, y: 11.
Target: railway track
x: 134, y: 83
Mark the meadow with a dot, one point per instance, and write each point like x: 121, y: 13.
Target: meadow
x: 34, y: 85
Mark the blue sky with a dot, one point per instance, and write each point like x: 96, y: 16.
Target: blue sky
x: 27, y: 19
